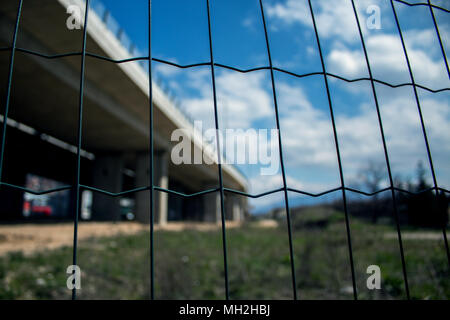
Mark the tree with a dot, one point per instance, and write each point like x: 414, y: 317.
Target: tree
x: 372, y: 175
x: 425, y: 208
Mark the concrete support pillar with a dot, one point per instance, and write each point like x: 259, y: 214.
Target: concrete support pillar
x: 234, y: 208
x: 161, y: 176
x: 107, y: 175
x: 161, y: 179
x: 237, y: 209
x: 228, y: 207
x: 142, y: 199
x: 211, y: 205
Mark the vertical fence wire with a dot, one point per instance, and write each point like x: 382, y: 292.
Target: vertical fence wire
x: 79, y: 139
x: 438, y: 34
x: 277, y: 118
x: 152, y: 258
x: 386, y: 154
x: 444, y: 56
x: 338, y: 153
x: 422, y: 123
x: 9, y: 84
x: 219, y: 155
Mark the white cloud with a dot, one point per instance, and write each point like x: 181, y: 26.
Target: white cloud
x: 308, y: 137
x: 333, y: 18
x: 259, y: 184
x: 347, y: 63
x: 249, y: 22
x: 306, y: 131
x: 166, y: 70
x: 388, y: 62
x: 290, y: 12
x: 242, y: 98
x: 341, y: 41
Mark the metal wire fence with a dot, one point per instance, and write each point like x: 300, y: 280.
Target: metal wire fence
x: 285, y: 189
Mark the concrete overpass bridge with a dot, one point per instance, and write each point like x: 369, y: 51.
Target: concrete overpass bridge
x: 42, y: 129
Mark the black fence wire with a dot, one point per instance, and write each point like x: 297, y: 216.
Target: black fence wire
x: 77, y: 187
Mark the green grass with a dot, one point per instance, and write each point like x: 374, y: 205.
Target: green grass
x: 189, y: 265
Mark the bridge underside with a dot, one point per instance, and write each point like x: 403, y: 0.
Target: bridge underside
x: 115, y: 126
x: 29, y: 154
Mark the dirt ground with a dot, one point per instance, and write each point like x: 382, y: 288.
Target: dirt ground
x: 29, y: 238
x: 431, y: 235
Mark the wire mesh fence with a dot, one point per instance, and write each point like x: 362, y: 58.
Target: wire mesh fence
x: 146, y: 62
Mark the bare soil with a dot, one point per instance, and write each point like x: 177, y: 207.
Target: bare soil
x: 29, y: 238
x: 430, y: 235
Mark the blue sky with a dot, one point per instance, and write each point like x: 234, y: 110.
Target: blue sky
x: 180, y: 34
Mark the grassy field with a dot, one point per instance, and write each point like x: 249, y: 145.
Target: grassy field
x: 189, y: 265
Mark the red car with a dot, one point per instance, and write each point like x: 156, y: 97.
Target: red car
x: 29, y: 209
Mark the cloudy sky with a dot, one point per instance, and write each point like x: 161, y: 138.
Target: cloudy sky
x: 180, y: 35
